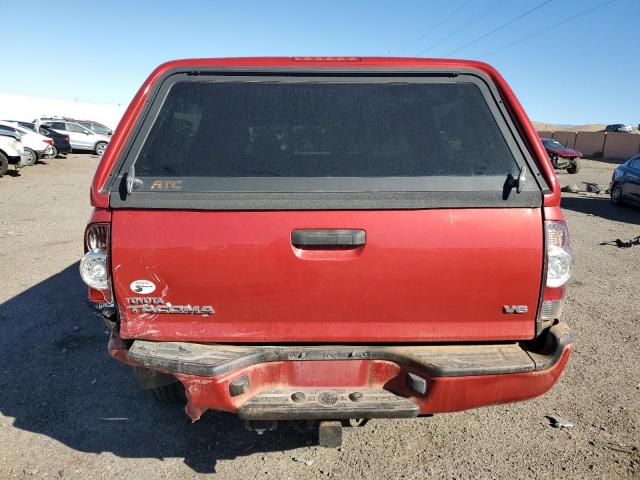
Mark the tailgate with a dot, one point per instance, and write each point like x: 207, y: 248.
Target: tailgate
x: 423, y: 275
x: 229, y: 169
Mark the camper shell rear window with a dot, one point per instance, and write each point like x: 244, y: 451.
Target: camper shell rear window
x: 243, y: 141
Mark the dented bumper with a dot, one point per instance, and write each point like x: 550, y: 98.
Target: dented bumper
x: 337, y: 381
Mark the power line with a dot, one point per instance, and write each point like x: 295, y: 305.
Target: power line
x: 506, y: 24
x: 544, y: 30
x: 465, y: 25
x: 425, y: 34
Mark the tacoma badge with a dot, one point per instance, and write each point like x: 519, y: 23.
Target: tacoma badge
x: 157, y: 305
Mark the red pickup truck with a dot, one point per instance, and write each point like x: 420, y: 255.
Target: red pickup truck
x: 330, y: 239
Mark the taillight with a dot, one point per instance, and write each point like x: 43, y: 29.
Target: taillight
x: 94, y: 266
x: 559, y: 269
x: 48, y: 140
x: 66, y: 139
x: 559, y: 258
x: 552, y: 303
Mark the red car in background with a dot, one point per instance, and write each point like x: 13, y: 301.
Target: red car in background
x: 562, y: 157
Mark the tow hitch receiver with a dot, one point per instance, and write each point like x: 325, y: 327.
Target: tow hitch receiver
x: 326, y: 404
x: 330, y: 434
x: 329, y: 431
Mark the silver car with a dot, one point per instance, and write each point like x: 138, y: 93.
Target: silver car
x: 95, y: 127
x: 80, y: 138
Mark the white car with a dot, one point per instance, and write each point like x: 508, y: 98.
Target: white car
x: 80, y: 138
x: 11, y: 152
x: 35, y: 145
x: 618, y: 127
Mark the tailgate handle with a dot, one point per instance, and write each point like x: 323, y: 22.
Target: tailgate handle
x: 328, y: 238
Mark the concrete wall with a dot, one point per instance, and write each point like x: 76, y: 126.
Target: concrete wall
x: 621, y: 145
x: 568, y: 139
x: 599, y: 144
x: 590, y: 143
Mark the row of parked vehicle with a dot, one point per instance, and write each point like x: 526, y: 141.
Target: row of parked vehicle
x: 24, y: 143
x: 625, y: 182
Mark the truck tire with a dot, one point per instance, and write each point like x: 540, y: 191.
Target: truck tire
x: 574, y: 167
x: 169, y: 394
x: 4, y: 164
x: 32, y: 157
x: 100, y: 148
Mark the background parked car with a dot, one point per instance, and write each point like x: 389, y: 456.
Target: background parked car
x: 561, y: 156
x: 92, y: 125
x: 625, y: 182
x: 95, y: 127
x: 35, y: 145
x: 61, y: 145
x: 618, y: 127
x: 11, y: 152
x: 80, y: 138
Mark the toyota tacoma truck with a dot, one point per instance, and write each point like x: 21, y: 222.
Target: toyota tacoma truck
x: 331, y: 240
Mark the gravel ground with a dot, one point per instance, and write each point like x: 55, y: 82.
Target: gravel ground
x: 68, y: 411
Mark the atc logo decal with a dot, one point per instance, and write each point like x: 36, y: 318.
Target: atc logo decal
x: 142, y: 287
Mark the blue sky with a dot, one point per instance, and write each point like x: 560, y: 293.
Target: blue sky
x: 585, y: 71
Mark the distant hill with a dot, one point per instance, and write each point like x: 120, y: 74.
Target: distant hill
x: 553, y: 127
x: 592, y: 127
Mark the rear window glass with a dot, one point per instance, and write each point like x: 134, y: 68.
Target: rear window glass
x: 258, y: 129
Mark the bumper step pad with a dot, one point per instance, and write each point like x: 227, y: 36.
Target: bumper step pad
x: 209, y: 360
x: 326, y: 404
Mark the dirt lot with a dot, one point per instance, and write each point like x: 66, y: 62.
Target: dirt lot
x: 68, y: 411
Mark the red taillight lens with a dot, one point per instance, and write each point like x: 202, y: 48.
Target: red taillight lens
x: 49, y: 141
x: 96, y: 238
x: 66, y: 139
x: 552, y: 303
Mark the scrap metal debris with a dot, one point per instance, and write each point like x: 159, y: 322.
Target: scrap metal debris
x: 593, y: 187
x: 573, y: 188
x: 623, y: 243
x: 558, y: 422
x: 618, y: 447
x: 589, y: 187
x: 306, y: 461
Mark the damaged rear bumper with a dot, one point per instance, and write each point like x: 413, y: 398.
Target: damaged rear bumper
x: 335, y: 381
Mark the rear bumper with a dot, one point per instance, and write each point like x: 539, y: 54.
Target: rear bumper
x: 336, y: 381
